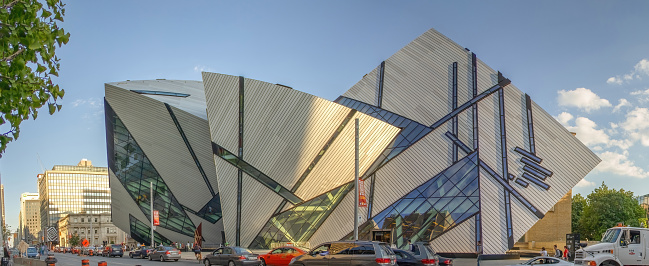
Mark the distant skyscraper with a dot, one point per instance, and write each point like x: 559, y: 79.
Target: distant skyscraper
x: 2, y: 198
x: 72, y: 189
x: 30, y: 218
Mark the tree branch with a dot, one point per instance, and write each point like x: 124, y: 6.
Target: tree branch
x: 11, y: 4
x: 11, y: 57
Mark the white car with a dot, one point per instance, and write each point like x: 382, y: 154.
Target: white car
x: 545, y: 260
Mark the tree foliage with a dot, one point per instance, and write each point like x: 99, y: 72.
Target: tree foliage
x: 605, y: 208
x: 29, y: 35
x: 74, y: 240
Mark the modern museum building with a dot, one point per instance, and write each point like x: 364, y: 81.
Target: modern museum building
x: 451, y: 152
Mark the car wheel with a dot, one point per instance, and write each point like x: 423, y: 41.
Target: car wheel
x: 176, y: 260
x: 231, y: 263
x: 162, y: 258
x: 207, y: 262
x: 263, y: 262
x: 141, y: 256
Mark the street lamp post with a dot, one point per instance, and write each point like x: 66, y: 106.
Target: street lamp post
x: 151, y: 200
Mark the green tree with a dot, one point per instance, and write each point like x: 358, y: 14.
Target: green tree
x: 605, y: 208
x: 6, y: 232
x: 578, y: 204
x: 29, y: 35
x: 74, y: 240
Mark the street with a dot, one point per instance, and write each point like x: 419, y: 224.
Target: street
x: 70, y: 259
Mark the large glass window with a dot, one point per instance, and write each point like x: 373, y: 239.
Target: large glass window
x: 142, y: 232
x: 429, y: 210
x: 298, y: 224
x: 136, y: 173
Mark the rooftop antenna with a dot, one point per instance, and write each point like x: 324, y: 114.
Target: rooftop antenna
x: 40, y: 162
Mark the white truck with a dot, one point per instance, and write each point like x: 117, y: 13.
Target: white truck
x: 620, y: 246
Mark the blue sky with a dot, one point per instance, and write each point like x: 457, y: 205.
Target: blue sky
x: 577, y: 59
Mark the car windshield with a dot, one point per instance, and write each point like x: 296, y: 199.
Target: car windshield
x: 242, y: 251
x: 31, y: 249
x: 169, y: 248
x: 611, y: 236
x: 528, y: 262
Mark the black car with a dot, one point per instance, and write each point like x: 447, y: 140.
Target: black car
x: 232, y: 256
x: 407, y: 258
x: 139, y: 252
x: 113, y: 251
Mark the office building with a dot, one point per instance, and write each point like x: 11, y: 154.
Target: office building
x: 29, y: 217
x: 81, y: 188
x: 97, y: 228
x: 452, y: 153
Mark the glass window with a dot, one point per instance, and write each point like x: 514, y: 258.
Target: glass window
x: 276, y: 251
x: 320, y: 249
x: 363, y: 250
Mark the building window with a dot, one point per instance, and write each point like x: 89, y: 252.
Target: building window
x: 82, y: 220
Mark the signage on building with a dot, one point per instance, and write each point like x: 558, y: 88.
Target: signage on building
x: 156, y: 218
x: 362, y: 200
x: 52, y: 234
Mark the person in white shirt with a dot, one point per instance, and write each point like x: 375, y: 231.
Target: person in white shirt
x: 544, y: 252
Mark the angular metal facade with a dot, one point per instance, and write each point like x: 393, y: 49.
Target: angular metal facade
x: 451, y: 153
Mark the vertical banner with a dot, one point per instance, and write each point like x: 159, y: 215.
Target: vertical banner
x: 156, y: 218
x: 198, y: 235
x: 362, y: 200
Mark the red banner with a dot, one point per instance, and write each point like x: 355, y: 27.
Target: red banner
x: 156, y: 218
x: 362, y: 200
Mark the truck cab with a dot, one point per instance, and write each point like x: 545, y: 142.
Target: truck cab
x: 619, y: 246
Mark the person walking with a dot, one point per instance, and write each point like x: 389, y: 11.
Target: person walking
x: 557, y: 252
x: 566, y: 253
x: 544, y: 252
x: 197, y: 252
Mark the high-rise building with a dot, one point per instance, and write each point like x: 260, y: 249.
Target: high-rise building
x: 2, y: 198
x: 72, y: 189
x: 30, y: 217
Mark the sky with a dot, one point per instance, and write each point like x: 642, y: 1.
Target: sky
x: 585, y: 62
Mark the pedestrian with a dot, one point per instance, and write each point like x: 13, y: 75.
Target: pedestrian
x: 544, y: 252
x: 187, y: 247
x: 197, y: 252
x: 410, y: 246
x: 566, y: 253
x: 557, y: 252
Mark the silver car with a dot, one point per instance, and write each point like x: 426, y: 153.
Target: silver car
x: 545, y: 260
x: 164, y: 253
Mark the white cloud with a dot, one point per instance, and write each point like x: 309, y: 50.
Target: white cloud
x: 622, y: 102
x: 640, y: 69
x: 637, y: 125
x: 585, y: 183
x: 92, y: 102
x: 614, y: 80
x: 200, y: 68
x: 582, y: 98
x: 643, y: 95
x: 619, y: 164
x: 588, y: 133
x: 564, y: 118
x: 598, y: 148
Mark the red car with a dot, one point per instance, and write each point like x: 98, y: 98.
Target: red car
x: 280, y: 256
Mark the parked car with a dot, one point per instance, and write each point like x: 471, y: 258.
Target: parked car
x: 280, y: 256
x: 67, y: 250
x: 139, y: 252
x: 32, y: 252
x: 164, y: 253
x: 113, y: 251
x: 406, y: 258
x: 90, y: 251
x: 545, y: 260
x: 445, y: 261
x: 232, y: 256
x: 348, y: 253
x: 423, y: 251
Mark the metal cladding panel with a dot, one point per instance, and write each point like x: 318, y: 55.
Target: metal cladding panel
x: 211, y: 232
x: 489, y: 133
x: 194, y: 103
x: 418, y: 164
x: 285, y: 129
x: 197, y: 132
x: 337, y: 166
x: 257, y: 205
x: 222, y: 98
x: 487, y: 77
x: 151, y: 126
x: 460, y: 239
x: 227, y: 177
x: 366, y: 89
x: 122, y: 205
x: 492, y: 210
x: 522, y: 218
x: 418, y: 78
x: 339, y: 223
